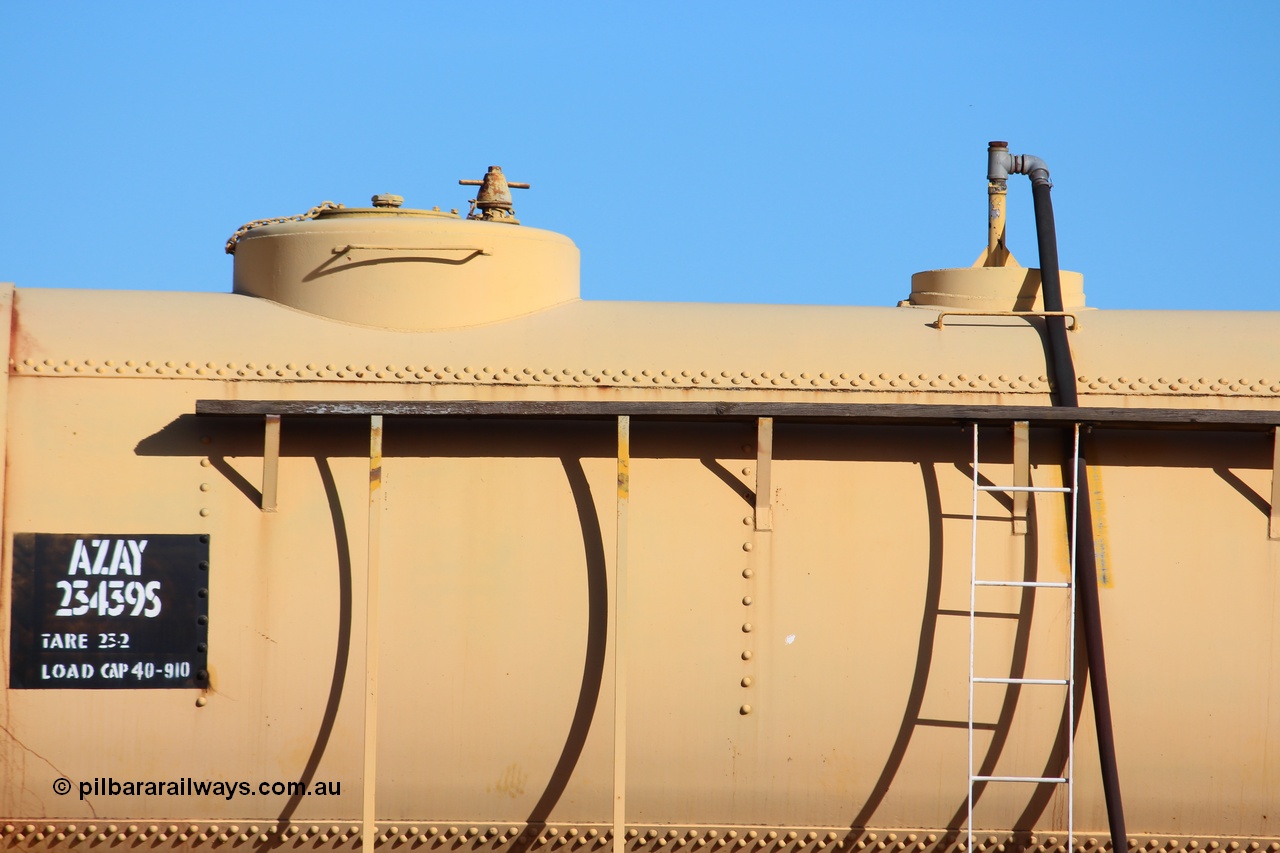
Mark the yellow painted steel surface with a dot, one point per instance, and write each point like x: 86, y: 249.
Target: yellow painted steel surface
x: 795, y: 662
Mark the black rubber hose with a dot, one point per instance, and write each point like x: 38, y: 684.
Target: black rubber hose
x: 1064, y: 379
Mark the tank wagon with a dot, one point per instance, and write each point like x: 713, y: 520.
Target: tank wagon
x: 403, y: 545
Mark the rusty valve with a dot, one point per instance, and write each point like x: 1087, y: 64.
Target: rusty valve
x: 494, y: 198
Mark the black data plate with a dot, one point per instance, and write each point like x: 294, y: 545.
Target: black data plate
x: 123, y: 611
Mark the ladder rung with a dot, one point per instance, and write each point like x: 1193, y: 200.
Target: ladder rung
x: 984, y: 680
x: 1058, y: 489
x: 1049, y: 584
x: 1057, y: 780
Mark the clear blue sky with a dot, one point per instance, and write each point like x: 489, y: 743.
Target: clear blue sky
x: 700, y: 151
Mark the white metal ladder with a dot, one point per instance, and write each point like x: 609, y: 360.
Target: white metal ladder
x: 1071, y: 493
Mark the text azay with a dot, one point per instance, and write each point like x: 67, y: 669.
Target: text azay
x: 92, y: 559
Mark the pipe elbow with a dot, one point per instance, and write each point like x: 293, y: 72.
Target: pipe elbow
x: 1033, y: 167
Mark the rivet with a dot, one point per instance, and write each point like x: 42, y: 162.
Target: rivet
x: 746, y: 599
x: 746, y: 519
x: 746, y: 470
x: 746, y: 573
x: 747, y: 628
x: 746, y: 655
x: 746, y: 681
x: 201, y: 701
x: 744, y: 710
x: 747, y: 546
x: 205, y: 463
x: 204, y: 511
x: 204, y: 487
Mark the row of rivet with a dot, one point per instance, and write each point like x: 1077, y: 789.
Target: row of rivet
x: 747, y: 573
x: 174, y: 833
x: 644, y: 377
x: 640, y: 839
x: 526, y: 375
x: 1199, y: 384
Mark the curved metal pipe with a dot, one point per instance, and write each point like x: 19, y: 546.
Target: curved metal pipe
x: 1001, y: 164
x: 999, y: 161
